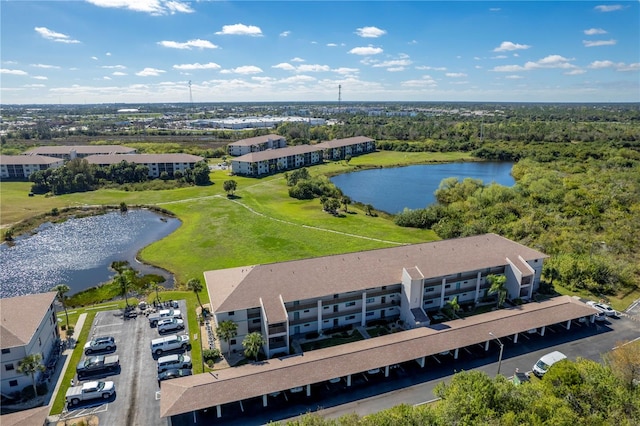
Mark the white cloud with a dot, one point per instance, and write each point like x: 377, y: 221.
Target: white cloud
x: 108, y: 54
x: 514, y: 77
x: 345, y: 70
x: 285, y: 66
x: 55, y: 36
x: 618, y: 66
x: 370, y: 32
x: 551, y: 61
x: 285, y: 34
x: 594, y: 31
x: 429, y: 68
x: 601, y: 64
x: 393, y: 63
x: 494, y: 9
x: 608, y: 7
x: 34, y: 85
x: 455, y: 74
x: 575, y: 72
x: 118, y: 73
x: 95, y: 58
x: 106, y: 77
x: 297, y: 59
x: 115, y: 67
x: 313, y: 68
x: 332, y: 45
x: 499, y: 57
x: 240, y: 29
x: 45, y: 66
x: 153, y: 7
x: 245, y: 70
x: 197, y: 66
x: 396, y: 69
x: 425, y: 81
x: 594, y: 43
x: 364, y: 51
x: 507, y: 46
x: 40, y: 77
x: 12, y: 72
x: 149, y: 72
x: 197, y: 43
x: 630, y: 67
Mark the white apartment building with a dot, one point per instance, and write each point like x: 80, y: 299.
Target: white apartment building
x: 256, y: 144
x: 157, y: 163
x: 69, y: 152
x: 22, y: 166
x: 29, y: 326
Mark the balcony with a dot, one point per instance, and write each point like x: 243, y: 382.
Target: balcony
x: 342, y: 313
x: 272, y: 330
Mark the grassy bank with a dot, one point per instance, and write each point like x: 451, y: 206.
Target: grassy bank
x: 262, y: 225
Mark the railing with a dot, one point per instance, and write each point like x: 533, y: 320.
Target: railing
x: 276, y: 330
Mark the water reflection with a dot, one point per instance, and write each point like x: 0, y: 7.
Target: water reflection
x: 78, y: 252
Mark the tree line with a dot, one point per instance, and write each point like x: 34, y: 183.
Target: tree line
x: 78, y: 175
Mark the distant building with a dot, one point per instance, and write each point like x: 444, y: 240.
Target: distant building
x: 157, y: 163
x: 294, y: 157
x: 256, y: 144
x: 29, y: 326
x: 69, y: 152
x: 22, y: 166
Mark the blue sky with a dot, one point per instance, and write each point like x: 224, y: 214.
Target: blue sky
x: 141, y: 51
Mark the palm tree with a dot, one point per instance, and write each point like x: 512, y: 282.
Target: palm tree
x: 454, y: 306
x: 226, y: 331
x: 345, y: 201
x: 252, y: 344
x: 124, y: 279
x: 497, y: 286
x: 195, y: 285
x: 369, y: 209
x: 29, y: 366
x: 61, y: 289
x: 155, y: 286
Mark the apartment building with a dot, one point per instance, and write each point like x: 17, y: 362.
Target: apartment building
x: 20, y: 167
x: 404, y: 283
x: 69, y: 152
x: 256, y: 144
x: 29, y: 326
x: 293, y: 157
x: 157, y: 163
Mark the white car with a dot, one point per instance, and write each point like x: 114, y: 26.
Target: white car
x: 170, y: 324
x: 604, y: 308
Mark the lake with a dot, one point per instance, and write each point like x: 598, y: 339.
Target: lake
x: 78, y: 252
x: 394, y: 189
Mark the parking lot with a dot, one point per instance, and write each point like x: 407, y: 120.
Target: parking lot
x: 137, y: 391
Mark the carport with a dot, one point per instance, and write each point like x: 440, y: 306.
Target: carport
x: 233, y: 385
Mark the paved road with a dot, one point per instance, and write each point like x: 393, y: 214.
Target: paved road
x: 411, y: 384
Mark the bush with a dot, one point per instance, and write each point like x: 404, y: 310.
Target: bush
x: 312, y: 335
x: 211, y: 355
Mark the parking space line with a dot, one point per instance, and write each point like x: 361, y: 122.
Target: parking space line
x: 157, y: 395
x: 468, y: 351
x: 101, y: 307
x: 525, y: 336
x: 436, y: 358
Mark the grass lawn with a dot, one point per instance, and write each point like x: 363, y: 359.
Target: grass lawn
x: 332, y: 341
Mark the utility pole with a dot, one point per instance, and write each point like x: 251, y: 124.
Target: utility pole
x: 501, y: 349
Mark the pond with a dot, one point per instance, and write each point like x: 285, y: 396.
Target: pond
x: 78, y: 252
x: 413, y: 187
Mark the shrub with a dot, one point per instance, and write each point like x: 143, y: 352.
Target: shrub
x: 312, y: 335
x: 211, y: 355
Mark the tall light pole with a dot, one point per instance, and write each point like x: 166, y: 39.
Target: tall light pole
x: 501, y: 349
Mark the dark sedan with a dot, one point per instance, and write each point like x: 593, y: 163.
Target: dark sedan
x: 173, y: 374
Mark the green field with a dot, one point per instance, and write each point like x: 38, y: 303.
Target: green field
x: 263, y: 224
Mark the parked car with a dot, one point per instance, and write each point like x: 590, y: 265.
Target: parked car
x: 297, y: 389
x: 90, y: 390
x: 169, y: 343
x: 604, y: 308
x: 544, y: 363
x: 171, y: 362
x: 373, y: 371
x: 170, y: 324
x: 164, y: 313
x: 98, y: 365
x: 174, y: 373
x: 98, y: 344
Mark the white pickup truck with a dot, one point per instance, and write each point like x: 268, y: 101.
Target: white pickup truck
x: 90, y: 390
x: 162, y: 314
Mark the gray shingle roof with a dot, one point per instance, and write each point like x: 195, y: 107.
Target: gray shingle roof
x: 240, y: 288
x: 81, y: 149
x: 256, y: 140
x: 28, y: 159
x: 143, y: 158
x: 238, y: 383
x: 21, y: 317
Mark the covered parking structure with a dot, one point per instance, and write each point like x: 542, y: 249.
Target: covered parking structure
x: 231, y: 385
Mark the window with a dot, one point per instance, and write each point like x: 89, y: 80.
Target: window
x: 325, y: 307
x: 447, y: 286
x: 350, y: 317
x: 6, y: 350
x: 232, y: 341
x: 350, y: 304
x: 13, y: 383
x: 371, y: 299
x: 8, y: 367
x: 370, y: 314
x: 384, y: 287
x: 306, y: 311
x: 429, y: 289
x: 335, y: 296
x: 231, y: 313
x: 428, y: 302
x: 256, y: 321
x: 39, y: 341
